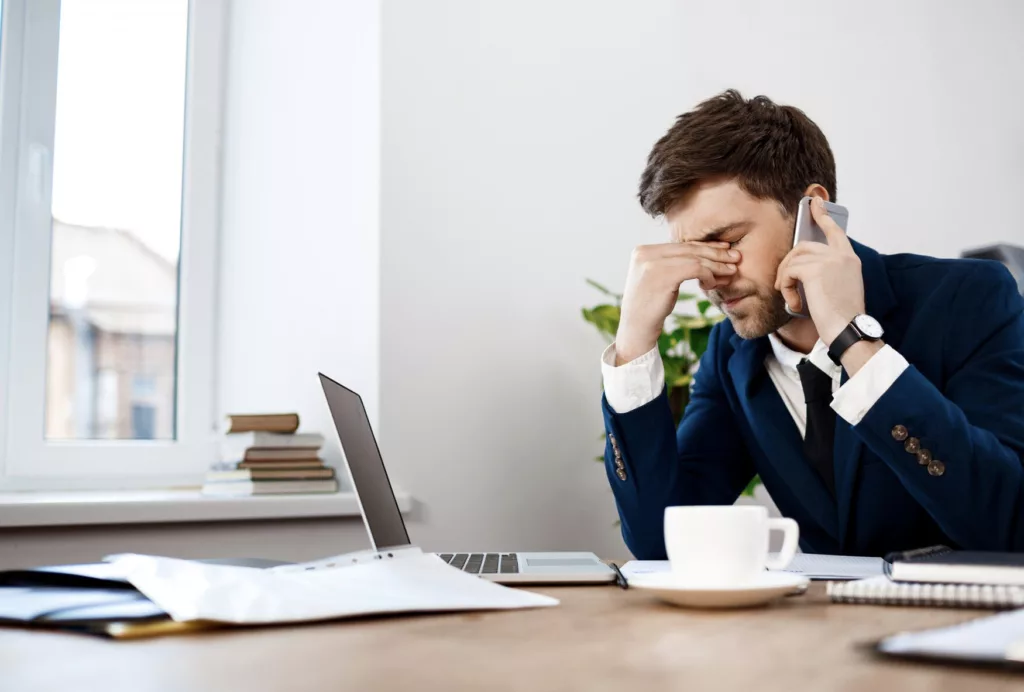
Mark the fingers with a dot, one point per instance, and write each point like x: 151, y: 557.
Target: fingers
x: 781, y: 271
x: 707, y: 279
x: 708, y: 272
x: 804, y: 250
x: 716, y: 251
x: 723, y: 268
x: 667, y: 265
x: 787, y: 283
x: 833, y: 233
x: 809, y: 247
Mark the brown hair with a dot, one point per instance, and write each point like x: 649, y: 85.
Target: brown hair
x: 774, y: 152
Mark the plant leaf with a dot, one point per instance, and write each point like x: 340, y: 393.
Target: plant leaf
x: 683, y: 381
x: 675, y: 369
x: 604, y: 317
x: 604, y: 290
x: 680, y: 334
x: 749, y: 490
x: 691, y: 321
x: 664, y: 344
x: 702, y: 307
x: 699, y: 341
x: 684, y: 297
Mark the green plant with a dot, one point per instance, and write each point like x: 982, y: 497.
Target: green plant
x: 681, y: 344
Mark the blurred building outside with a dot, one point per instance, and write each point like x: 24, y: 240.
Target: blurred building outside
x: 112, y: 337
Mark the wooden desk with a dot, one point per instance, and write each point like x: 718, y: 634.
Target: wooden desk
x: 600, y: 638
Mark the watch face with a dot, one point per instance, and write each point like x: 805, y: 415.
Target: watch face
x: 868, y: 326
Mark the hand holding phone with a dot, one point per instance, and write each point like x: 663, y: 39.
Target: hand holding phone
x: 828, y: 275
x: 808, y: 229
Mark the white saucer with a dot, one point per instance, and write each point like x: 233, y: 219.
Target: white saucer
x: 764, y: 589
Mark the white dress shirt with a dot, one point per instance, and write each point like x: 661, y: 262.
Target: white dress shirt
x: 630, y: 386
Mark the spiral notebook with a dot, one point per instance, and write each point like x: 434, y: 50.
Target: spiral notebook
x: 882, y: 591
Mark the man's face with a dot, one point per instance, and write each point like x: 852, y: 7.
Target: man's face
x: 761, y: 231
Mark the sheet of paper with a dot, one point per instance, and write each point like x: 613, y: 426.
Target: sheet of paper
x: 189, y: 590
x: 816, y: 566
x: 810, y: 565
x: 634, y: 568
x: 989, y: 638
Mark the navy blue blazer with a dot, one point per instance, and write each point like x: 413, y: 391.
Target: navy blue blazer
x: 960, y: 325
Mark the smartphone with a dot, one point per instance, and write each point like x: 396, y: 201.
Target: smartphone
x: 807, y: 229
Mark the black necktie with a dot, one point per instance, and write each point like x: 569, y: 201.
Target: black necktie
x: 821, y: 421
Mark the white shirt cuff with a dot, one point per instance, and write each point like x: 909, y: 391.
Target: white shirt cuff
x: 638, y: 382
x: 855, y: 398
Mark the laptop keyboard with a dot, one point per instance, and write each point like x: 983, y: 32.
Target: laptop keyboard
x: 483, y: 563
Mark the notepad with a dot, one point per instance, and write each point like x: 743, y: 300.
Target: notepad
x: 882, y: 591
x: 810, y: 565
x: 997, y: 639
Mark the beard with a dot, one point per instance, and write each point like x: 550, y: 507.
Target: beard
x: 763, y: 311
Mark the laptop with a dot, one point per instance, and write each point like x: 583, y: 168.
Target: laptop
x: 386, y: 526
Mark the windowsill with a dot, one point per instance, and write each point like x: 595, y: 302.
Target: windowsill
x: 82, y: 508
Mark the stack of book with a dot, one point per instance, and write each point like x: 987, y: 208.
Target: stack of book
x: 264, y: 455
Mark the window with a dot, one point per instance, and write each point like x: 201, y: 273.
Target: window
x: 143, y: 421
x: 116, y: 202
x: 109, y: 112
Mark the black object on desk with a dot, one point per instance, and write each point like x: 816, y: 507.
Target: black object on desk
x: 93, y: 598
x: 620, y: 579
x: 940, y: 564
x: 73, y: 597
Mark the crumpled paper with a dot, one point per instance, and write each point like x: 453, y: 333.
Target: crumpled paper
x: 189, y: 590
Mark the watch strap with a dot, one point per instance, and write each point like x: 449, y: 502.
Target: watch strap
x: 847, y: 338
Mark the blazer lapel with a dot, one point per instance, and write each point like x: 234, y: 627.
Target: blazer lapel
x: 879, y: 301
x: 777, y: 434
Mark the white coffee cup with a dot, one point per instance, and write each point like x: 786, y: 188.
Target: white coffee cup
x: 723, y: 545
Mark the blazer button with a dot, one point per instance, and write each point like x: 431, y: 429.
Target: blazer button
x: 621, y: 473
x: 936, y: 468
x: 924, y: 457
x: 899, y: 433
x: 615, y: 444
x: 619, y: 464
x: 912, y: 445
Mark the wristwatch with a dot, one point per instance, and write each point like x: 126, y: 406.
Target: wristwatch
x: 861, y: 328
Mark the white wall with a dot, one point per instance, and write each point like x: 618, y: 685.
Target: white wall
x: 300, y: 217
x: 920, y: 100
x: 513, y: 134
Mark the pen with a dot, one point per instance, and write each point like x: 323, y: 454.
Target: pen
x: 619, y: 578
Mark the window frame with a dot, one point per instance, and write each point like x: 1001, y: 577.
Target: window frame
x: 28, y: 74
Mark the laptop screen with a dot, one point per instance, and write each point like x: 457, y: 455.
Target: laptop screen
x: 365, y: 465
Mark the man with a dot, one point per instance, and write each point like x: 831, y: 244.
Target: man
x: 892, y: 419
